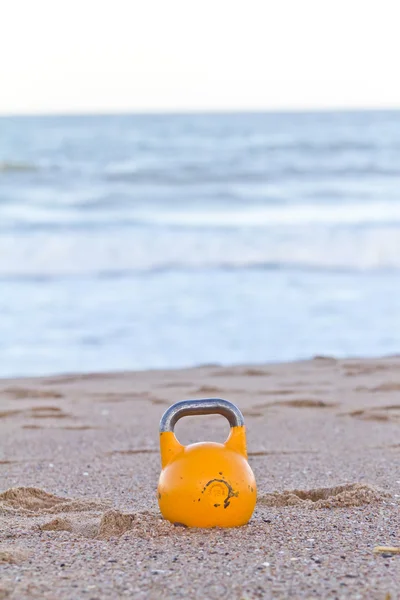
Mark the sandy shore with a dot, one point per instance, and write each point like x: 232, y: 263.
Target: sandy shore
x: 90, y: 528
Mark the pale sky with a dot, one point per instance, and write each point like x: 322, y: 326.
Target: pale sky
x: 146, y: 55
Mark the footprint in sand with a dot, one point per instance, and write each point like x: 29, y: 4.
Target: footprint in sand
x: 376, y: 414
x: 291, y: 391
x: 280, y: 452
x: 37, y: 412
x: 252, y: 413
x: 354, y: 369
x: 342, y: 496
x: 319, y: 358
x: 209, y: 389
x: 307, y: 403
x: 134, y: 451
x: 175, y: 384
x: 115, y: 397
x: 8, y: 413
x: 215, y: 391
x: 47, y: 412
x: 256, y: 373
x: 384, y: 387
x: 78, y: 427
x: 277, y: 392
x: 388, y: 446
x: 63, y: 427
x: 251, y: 372
x: 19, y: 393
x: 298, y: 403
x: 155, y: 400
x: 63, y: 380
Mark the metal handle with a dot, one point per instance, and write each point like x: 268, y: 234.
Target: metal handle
x: 205, y: 406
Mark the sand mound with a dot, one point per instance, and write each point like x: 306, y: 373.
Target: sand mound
x: 29, y: 501
x: 12, y: 556
x: 350, y: 495
x: 150, y: 525
x: 58, y: 524
x: 5, y: 592
x: 114, y: 523
x: 142, y: 525
x: 33, y: 501
x: 78, y: 506
x: 83, y: 526
x: 29, y: 498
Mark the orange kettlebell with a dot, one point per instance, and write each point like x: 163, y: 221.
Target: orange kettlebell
x: 205, y: 484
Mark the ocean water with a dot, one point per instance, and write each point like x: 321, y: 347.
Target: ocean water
x: 132, y: 242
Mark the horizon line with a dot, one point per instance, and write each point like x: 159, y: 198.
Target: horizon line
x: 197, y: 111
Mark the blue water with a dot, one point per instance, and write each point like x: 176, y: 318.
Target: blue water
x: 130, y: 242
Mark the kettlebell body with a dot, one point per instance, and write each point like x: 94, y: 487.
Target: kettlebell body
x: 205, y: 484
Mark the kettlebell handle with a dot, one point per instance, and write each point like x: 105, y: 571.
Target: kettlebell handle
x: 205, y: 406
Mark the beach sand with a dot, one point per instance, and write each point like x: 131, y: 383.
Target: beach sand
x: 80, y: 462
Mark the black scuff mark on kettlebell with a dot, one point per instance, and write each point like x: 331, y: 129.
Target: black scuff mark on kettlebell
x: 231, y: 493
x: 216, y: 505
x: 159, y: 496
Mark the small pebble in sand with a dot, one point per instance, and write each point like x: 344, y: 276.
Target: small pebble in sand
x: 386, y: 550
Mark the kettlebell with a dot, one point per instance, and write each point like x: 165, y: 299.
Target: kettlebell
x: 206, y: 484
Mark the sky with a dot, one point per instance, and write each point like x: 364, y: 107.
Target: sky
x: 79, y: 56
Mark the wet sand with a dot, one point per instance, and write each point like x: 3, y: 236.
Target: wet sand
x: 79, y: 466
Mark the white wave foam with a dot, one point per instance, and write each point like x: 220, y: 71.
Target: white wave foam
x: 80, y: 254
x: 293, y: 214
x: 367, y: 213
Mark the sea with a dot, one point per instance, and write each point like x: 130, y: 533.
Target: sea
x: 163, y: 241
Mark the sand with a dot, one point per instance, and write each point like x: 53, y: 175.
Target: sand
x: 79, y: 466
